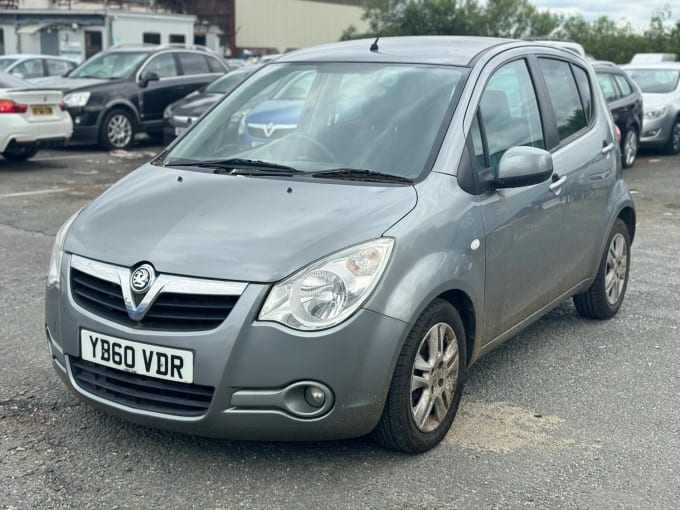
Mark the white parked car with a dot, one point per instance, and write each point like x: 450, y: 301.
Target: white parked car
x: 30, y: 118
x: 36, y: 68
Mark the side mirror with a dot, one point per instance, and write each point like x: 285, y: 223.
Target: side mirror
x: 523, y: 166
x: 147, y: 77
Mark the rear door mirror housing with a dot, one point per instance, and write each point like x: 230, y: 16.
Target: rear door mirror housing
x: 523, y: 166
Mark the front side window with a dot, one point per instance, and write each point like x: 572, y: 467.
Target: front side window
x: 564, y: 97
x: 163, y: 65
x: 509, y: 111
x: 623, y: 84
x: 323, y: 116
x: 110, y: 65
x: 655, y: 81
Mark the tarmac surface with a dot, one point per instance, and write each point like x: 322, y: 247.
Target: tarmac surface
x: 571, y: 413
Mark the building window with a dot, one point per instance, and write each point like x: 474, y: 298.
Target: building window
x: 151, y: 38
x: 93, y: 42
x: 177, y: 39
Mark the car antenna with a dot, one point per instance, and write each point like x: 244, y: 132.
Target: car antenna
x: 374, y: 46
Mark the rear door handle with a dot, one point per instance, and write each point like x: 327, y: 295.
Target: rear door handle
x: 556, y: 186
x: 607, y: 148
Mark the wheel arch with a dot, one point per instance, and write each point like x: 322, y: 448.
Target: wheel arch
x: 627, y: 215
x: 121, y: 104
x: 466, y: 309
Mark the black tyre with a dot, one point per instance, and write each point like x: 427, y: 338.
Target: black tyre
x: 673, y: 145
x: 427, y: 383
x: 629, y: 148
x: 604, y: 297
x: 21, y: 154
x: 117, y: 130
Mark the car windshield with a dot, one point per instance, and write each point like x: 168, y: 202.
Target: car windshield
x: 655, y: 81
x: 312, y: 117
x: 6, y: 62
x: 228, y: 82
x: 109, y: 65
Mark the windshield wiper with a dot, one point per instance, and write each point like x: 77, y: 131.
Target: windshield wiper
x: 358, y: 174
x: 239, y: 166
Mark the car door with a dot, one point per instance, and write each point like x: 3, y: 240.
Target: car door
x: 158, y: 93
x: 522, y: 225
x: 586, y: 158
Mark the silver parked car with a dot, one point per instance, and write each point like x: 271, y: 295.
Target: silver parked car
x: 436, y: 196
x: 660, y: 86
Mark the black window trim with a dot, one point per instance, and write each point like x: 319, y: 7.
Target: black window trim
x: 581, y: 132
x: 590, y: 120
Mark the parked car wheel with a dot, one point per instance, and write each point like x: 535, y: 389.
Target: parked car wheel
x: 604, y: 297
x: 673, y: 146
x: 630, y: 148
x: 117, y: 131
x: 21, y: 154
x: 427, y: 383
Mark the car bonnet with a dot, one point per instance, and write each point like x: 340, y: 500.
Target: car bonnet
x: 255, y: 229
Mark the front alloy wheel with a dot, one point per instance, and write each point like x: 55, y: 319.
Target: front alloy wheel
x: 673, y: 146
x: 425, y: 390
x: 117, y: 130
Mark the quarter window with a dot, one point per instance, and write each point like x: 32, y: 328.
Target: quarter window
x: 193, y: 63
x: 564, y: 97
x: 509, y: 111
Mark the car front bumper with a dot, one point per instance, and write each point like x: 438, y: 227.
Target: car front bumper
x: 656, y: 132
x: 249, y: 363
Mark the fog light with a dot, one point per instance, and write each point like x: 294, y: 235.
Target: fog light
x: 650, y: 133
x: 315, y: 396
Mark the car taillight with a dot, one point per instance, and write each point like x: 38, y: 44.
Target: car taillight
x: 618, y: 133
x: 62, y: 106
x: 7, y: 106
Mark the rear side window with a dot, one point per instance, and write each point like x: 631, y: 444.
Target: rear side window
x: 564, y: 97
x: 608, y: 87
x: 509, y: 111
x: 193, y: 63
x: 29, y: 69
x: 623, y: 84
x: 583, y: 83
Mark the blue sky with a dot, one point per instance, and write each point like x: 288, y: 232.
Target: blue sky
x: 638, y: 12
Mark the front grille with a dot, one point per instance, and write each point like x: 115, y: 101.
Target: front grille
x: 140, y: 391
x: 170, y: 311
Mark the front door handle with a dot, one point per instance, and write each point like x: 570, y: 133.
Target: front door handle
x: 556, y: 186
x: 607, y: 148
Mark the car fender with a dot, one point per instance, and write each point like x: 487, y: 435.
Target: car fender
x: 119, y: 102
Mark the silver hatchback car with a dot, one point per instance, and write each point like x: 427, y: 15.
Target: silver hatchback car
x: 430, y: 198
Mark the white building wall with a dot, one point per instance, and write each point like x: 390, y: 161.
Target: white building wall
x: 10, y: 39
x: 129, y: 28
x: 292, y: 24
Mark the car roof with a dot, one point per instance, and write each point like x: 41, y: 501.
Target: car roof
x: 448, y: 50
x: 658, y: 65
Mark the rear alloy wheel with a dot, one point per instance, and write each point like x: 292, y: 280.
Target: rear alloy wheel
x: 21, y: 154
x: 673, y: 146
x: 427, y: 383
x: 117, y: 130
x: 604, y: 297
x: 630, y: 148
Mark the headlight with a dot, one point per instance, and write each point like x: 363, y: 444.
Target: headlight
x: 655, y: 114
x: 328, y: 291
x: 76, y: 99
x: 58, y: 250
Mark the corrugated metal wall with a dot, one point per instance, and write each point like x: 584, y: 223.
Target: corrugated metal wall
x: 292, y: 24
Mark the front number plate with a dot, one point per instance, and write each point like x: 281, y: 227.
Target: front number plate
x: 136, y: 357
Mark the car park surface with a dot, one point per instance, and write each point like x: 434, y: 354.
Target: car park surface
x: 380, y: 277
x: 124, y: 90
x: 571, y: 413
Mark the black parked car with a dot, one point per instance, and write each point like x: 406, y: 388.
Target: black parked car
x: 179, y: 115
x: 625, y: 102
x: 125, y: 90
